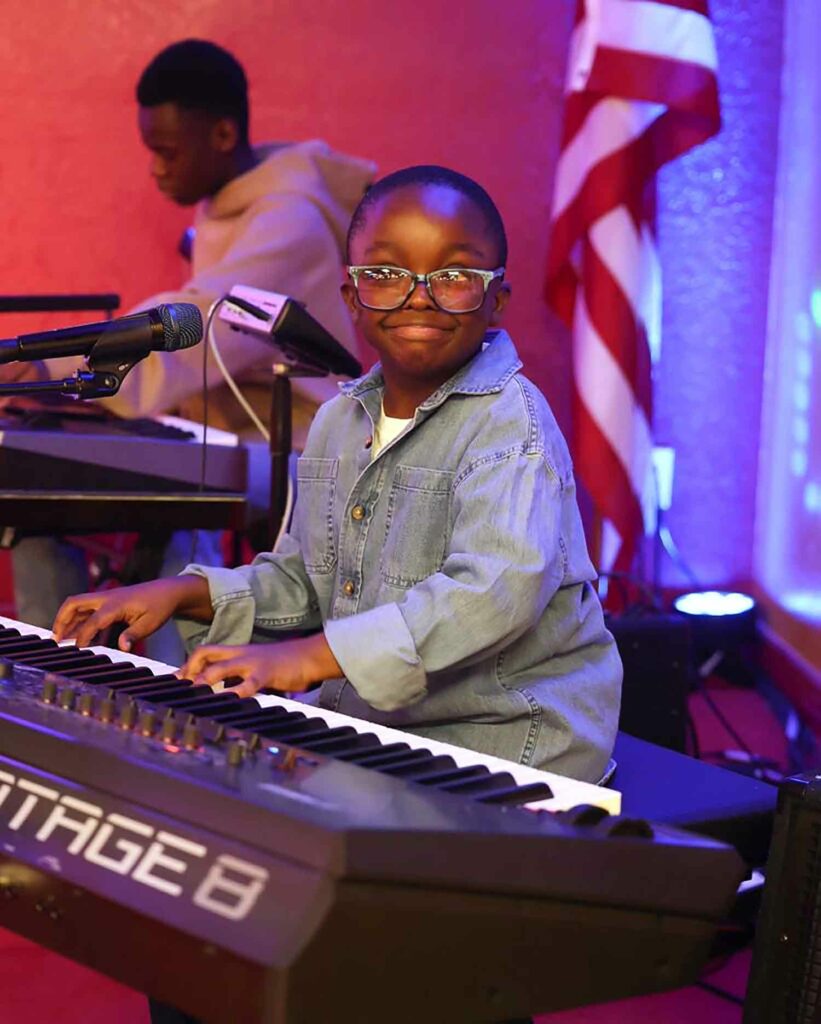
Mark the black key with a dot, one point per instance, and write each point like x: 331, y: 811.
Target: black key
x: 347, y: 740
x: 186, y: 697
x: 414, y: 771
x: 7, y: 632
x: 63, y: 657
x: 525, y: 794
x: 286, y: 718
x: 106, y: 675
x: 490, y: 783
x: 293, y: 733
x: 387, y: 757
x: 202, y: 705
x: 331, y: 737
x: 474, y: 771
x: 151, y: 690
x: 9, y: 648
x: 245, y: 712
x: 363, y: 756
x: 399, y: 762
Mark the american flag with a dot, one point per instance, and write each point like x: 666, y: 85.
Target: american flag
x: 641, y: 89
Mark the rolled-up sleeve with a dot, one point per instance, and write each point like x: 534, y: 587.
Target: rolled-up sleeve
x: 273, y: 592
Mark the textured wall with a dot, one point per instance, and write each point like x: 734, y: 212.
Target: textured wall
x: 715, y: 234
x: 431, y: 82
x: 464, y: 84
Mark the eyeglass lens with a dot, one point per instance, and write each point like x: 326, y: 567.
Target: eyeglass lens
x: 457, y: 291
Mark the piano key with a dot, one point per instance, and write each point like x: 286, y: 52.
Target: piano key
x: 414, y: 770
x: 189, y: 695
x: 518, y: 794
x: 203, y: 704
x: 452, y: 775
x: 58, y: 659
x: 104, y: 675
x: 246, y: 711
x: 13, y: 647
x: 147, y: 687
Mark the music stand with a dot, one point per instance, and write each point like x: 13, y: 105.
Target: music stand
x: 303, y: 348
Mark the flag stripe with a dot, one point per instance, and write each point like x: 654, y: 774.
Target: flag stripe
x: 658, y: 29
x: 641, y: 90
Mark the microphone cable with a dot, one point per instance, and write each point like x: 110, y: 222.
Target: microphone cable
x: 213, y: 346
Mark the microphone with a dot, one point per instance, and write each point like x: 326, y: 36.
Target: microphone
x: 165, y: 328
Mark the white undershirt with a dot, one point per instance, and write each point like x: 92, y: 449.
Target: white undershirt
x: 385, y: 430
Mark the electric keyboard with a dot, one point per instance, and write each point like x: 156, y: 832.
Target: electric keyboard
x: 80, y: 453
x: 255, y: 860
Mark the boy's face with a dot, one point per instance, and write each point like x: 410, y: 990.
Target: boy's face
x: 190, y: 151
x: 421, y: 229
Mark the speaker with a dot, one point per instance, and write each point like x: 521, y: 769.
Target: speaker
x: 785, y: 976
x: 656, y: 651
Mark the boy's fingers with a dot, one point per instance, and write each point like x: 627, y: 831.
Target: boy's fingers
x: 71, y: 613
x: 204, y: 656
x: 223, y: 669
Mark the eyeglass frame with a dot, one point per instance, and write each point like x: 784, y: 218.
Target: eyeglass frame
x: 487, y: 276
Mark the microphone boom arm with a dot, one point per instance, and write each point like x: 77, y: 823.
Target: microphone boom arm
x: 103, y: 378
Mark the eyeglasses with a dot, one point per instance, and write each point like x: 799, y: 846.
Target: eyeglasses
x: 454, y: 289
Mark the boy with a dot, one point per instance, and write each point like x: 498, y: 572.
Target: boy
x: 436, y: 545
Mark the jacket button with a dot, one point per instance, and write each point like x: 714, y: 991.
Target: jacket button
x: 348, y: 587
x: 358, y: 512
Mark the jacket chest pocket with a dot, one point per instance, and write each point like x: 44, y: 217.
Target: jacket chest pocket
x: 417, y: 527
x: 314, y: 513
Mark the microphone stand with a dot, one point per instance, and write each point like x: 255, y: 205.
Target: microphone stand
x: 280, y: 444
x: 105, y: 374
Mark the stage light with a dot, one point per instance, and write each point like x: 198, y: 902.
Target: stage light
x: 722, y: 623
x: 714, y: 603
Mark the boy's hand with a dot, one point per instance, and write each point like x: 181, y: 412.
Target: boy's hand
x: 144, y: 608
x: 290, y: 666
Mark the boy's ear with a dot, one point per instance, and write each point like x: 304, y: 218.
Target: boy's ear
x: 500, y: 301
x: 349, y: 298
x: 225, y: 135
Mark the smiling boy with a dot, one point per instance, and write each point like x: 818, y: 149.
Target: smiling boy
x: 436, y: 547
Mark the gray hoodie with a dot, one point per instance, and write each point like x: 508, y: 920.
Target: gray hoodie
x: 281, y: 227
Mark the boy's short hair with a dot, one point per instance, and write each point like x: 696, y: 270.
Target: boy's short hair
x: 431, y: 174
x: 197, y: 75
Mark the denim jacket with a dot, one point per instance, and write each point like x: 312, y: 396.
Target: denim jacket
x: 449, y: 573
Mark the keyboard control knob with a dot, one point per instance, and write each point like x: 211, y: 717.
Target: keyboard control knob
x: 235, y: 754
x: 147, y: 723
x: 168, y: 733
x: 49, y: 691
x: 108, y: 708
x: 66, y: 698
x: 191, y: 736
x: 128, y: 716
x: 85, y: 705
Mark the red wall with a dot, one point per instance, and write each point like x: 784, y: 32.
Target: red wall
x: 473, y: 84
x: 427, y: 82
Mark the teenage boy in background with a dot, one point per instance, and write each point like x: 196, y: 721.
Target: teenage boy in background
x: 274, y: 217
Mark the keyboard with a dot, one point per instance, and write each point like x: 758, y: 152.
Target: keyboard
x: 84, y: 454
x: 266, y: 861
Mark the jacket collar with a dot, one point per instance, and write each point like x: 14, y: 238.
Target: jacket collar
x: 488, y: 372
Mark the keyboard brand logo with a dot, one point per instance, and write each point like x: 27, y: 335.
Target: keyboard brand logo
x: 164, y: 861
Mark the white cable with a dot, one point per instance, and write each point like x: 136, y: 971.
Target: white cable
x: 232, y: 384
x: 286, y: 515
x: 229, y: 380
